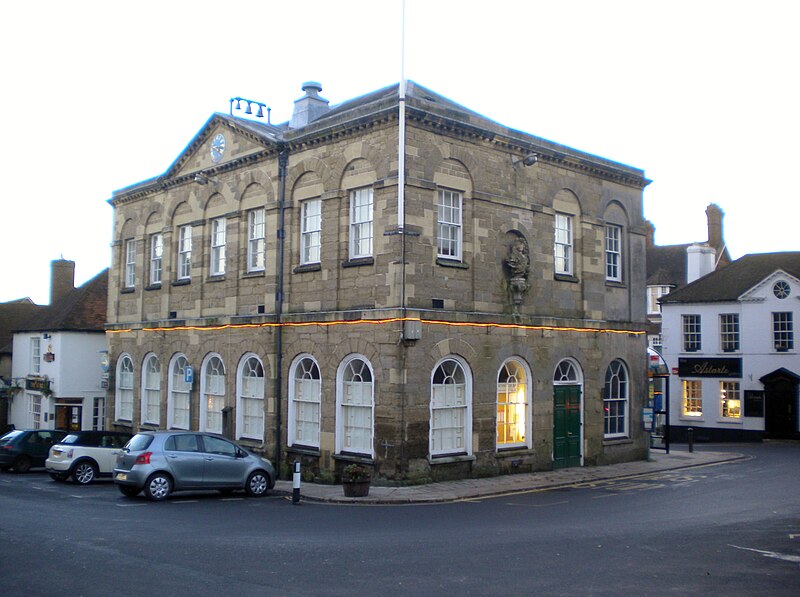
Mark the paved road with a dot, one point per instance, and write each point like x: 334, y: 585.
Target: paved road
x: 729, y: 529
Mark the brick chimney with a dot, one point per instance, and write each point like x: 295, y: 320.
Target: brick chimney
x: 715, y: 234
x: 650, y: 234
x: 62, y: 279
x: 309, y: 107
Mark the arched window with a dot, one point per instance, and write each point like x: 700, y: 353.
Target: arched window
x: 250, y: 398
x: 212, y: 394
x: 513, y: 405
x: 355, y: 401
x: 151, y: 390
x: 179, y: 391
x: 451, y: 408
x: 615, y: 400
x: 124, y: 397
x: 305, y: 400
x: 566, y: 374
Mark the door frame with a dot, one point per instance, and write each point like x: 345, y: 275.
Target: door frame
x: 575, y: 380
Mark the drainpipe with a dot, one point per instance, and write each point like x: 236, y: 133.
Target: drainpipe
x: 283, y: 158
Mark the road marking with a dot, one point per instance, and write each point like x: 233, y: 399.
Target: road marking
x: 129, y: 505
x: 232, y: 499
x: 538, y: 505
x: 184, y: 501
x: 770, y: 554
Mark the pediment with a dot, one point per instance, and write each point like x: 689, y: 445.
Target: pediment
x: 763, y: 290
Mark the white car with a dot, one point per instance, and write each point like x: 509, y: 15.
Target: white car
x: 85, y: 455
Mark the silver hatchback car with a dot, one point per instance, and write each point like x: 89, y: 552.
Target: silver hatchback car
x: 160, y: 462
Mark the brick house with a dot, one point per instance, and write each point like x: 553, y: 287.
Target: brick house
x: 278, y: 286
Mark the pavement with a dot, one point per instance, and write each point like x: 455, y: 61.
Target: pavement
x: 466, y: 489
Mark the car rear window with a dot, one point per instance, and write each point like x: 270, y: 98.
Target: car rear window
x: 139, y: 442
x: 10, y: 435
x: 70, y: 439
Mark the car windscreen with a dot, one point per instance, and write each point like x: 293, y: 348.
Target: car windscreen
x: 11, y: 435
x: 139, y: 442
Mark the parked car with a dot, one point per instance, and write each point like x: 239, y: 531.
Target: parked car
x: 85, y: 455
x: 160, y: 462
x: 22, y: 449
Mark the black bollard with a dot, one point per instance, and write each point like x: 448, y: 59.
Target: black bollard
x: 296, y: 483
x: 690, y: 433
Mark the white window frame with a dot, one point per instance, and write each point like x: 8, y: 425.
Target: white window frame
x: 99, y: 414
x: 563, y: 248
x: 156, y: 258
x: 729, y: 332
x: 151, y: 390
x: 616, y: 394
x: 691, y: 333
x: 513, y: 404
x: 782, y: 331
x: 34, y: 411
x: 250, y: 382
x: 185, y: 252
x: 451, y: 408
x: 218, y: 243
x: 692, y: 397
x: 310, y: 231
x: 305, y: 402
x: 36, y: 355
x: 123, y: 403
x: 179, y: 415
x: 354, y: 411
x: 730, y: 400
x: 653, y: 294
x: 449, y: 227
x: 613, y: 253
x: 256, y: 239
x: 130, y: 263
x: 361, y: 224
x: 212, y: 393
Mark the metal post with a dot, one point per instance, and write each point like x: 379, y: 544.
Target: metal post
x: 690, y: 433
x: 296, y: 483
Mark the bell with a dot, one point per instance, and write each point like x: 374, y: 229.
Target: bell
x: 238, y: 104
x: 260, y: 111
x: 248, y: 111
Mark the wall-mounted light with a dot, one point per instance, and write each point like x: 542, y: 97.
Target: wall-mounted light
x: 527, y: 160
x: 201, y: 178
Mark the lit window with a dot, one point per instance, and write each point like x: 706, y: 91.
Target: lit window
x: 729, y: 332
x: 218, y: 246
x: 212, y: 395
x: 614, y: 253
x: 512, y: 405
x: 563, y: 244
x: 124, y: 397
x: 184, y: 252
x: 311, y: 231
x: 783, y: 331
x: 151, y: 391
x: 256, y: 240
x: 355, y: 401
x: 615, y: 400
x: 130, y: 263
x: 305, y: 403
x: 360, y: 223
x: 691, y: 333
x: 250, y: 409
x: 179, y: 389
x: 449, y: 224
x: 451, y: 422
x: 730, y: 395
x: 156, y: 255
x: 692, y: 398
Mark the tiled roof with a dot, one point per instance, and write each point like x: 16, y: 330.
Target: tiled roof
x: 12, y: 314
x: 733, y: 280
x: 666, y: 265
x: 82, y: 310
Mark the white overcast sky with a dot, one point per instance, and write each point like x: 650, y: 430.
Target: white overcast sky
x: 98, y: 95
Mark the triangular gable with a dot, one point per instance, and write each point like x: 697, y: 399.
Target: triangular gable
x: 763, y: 290
x: 243, y: 138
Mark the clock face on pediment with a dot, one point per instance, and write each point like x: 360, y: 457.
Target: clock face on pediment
x: 218, y: 144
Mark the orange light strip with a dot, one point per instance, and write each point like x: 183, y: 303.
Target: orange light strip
x: 514, y: 326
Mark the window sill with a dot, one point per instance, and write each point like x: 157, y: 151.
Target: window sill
x: 254, y: 274
x: 182, y: 282
x: 123, y: 423
x: 355, y: 458
x: 617, y: 441
x: 513, y: 451
x: 153, y: 287
x: 303, y: 450
x: 250, y: 442
x: 127, y: 290
x: 730, y: 421
x: 215, y: 278
x: 615, y: 284
x: 444, y: 262
x: 309, y: 267
x: 686, y: 419
x: 450, y: 459
x: 566, y: 278
x: 359, y: 262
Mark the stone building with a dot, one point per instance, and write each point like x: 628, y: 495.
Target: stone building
x: 485, y: 316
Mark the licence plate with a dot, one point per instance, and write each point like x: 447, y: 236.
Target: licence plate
x: 121, y: 477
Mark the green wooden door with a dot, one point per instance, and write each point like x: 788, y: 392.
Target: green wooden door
x: 567, y: 426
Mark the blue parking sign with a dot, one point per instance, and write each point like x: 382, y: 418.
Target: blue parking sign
x: 188, y: 374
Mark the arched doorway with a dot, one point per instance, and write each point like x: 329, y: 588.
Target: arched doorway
x: 780, y: 403
x: 567, y: 415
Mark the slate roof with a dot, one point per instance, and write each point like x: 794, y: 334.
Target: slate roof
x: 666, y: 265
x: 81, y: 310
x: 12, y: 314
x: 730, y: 282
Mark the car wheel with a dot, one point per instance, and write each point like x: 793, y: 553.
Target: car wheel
x: 84, y: 472
x: 257, y: 484
x: 128, y: 491
x: 158, y: 487
x: 60, y: 477
x: 22, y: 464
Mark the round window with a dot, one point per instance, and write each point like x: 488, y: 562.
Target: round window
x: 781, y: 289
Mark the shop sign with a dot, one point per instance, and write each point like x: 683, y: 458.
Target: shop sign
x: 709, y: 367
x: 37, y: 384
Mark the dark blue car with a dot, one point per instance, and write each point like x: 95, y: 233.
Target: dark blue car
x: 23, y: 448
